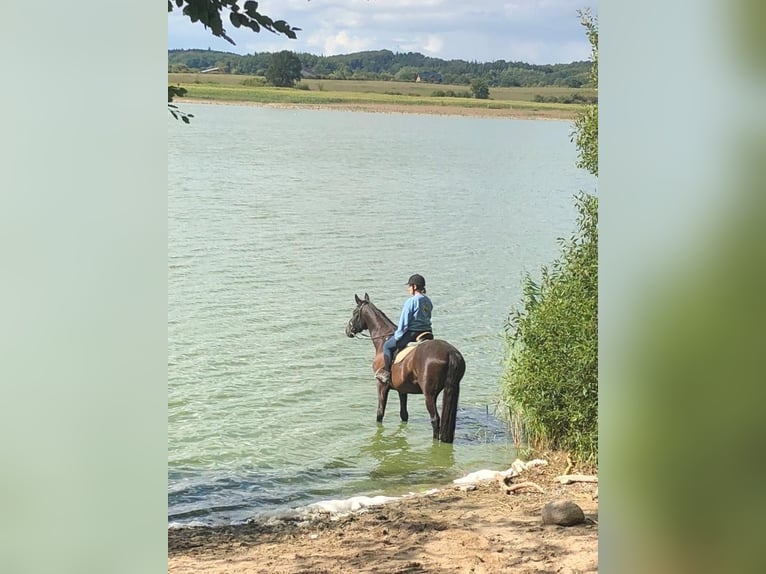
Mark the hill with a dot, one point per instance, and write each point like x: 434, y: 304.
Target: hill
x: 390, y: 66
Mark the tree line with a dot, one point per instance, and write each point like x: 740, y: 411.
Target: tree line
x: 387, y: 65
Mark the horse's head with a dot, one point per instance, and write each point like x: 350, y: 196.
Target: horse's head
x: 357, y: 323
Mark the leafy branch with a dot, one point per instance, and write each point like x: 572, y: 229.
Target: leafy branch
x: 177, y: 91
x: 208, y: 12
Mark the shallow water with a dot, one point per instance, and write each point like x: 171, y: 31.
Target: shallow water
x: 276, y: 219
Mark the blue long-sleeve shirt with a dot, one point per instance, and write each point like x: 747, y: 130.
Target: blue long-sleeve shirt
x: 416, y: 315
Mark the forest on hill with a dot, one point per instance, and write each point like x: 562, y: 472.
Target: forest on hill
x: 387, y: 65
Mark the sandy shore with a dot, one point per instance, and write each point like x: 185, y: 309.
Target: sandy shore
x: 508, y: 113
x: 452, y: 531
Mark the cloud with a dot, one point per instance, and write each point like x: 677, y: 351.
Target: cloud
x: 340, y: 43
x: 433, y: 46
x: 534, y: 31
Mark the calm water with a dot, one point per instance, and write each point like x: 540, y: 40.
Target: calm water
x: 276, y: 218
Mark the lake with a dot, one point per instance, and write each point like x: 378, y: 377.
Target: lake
x: 276, y: 219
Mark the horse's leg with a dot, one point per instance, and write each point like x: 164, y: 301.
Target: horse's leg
x: 403, y: 407
x: 431, y: 406
x: 382, y: 399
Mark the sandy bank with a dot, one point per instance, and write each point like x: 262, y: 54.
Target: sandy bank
x: 508, y: 113
x: 483, y: 530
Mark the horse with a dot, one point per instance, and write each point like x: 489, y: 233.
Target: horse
x: 434, y: 366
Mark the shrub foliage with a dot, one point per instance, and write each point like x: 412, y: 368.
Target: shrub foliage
x: 550, y: 382
x: 585, y: 133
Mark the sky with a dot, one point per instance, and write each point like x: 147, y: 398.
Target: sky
x: 531, y: 31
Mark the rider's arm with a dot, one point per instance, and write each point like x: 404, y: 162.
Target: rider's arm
x: 405, y: 319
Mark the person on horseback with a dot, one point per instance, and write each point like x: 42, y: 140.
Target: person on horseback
x: 414, y: 320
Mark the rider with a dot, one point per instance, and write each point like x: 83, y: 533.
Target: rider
x: 414, y: 320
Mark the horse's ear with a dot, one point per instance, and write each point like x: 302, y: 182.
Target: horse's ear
x: 358, y: 300
x: 366, y: 298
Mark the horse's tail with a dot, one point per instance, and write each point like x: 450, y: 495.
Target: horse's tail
x: 455, y: 371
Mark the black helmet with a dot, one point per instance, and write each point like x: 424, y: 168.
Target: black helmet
x: 417, y: 280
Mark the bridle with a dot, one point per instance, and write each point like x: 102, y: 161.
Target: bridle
x: 362, y: 335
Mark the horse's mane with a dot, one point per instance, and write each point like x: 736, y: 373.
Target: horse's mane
x: 371, y: 304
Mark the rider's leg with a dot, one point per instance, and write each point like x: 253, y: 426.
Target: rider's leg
x: 390, y: 348
x: 384, y: 374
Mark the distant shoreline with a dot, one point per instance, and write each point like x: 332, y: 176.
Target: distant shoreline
x: 383, y: 108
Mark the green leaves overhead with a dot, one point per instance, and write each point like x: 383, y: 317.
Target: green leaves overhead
x: 174, y: 91
x: 208, y: 12
x: 178, y: 114
x: 177, y: 91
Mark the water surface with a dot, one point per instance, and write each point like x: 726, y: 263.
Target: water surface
x: 276, y: 219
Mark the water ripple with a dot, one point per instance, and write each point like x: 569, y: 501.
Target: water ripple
x: 275, y: 221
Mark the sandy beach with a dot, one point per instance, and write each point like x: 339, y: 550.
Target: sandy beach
x: 507, y: 113
x: 455, y: 530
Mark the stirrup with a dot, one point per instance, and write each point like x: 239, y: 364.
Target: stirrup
x: 383, y: 376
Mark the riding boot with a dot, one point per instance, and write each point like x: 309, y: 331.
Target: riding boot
x: 383, y: 376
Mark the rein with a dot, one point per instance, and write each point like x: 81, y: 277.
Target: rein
x: 366, y: 336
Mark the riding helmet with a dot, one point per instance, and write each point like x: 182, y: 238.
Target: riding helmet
x: 417, y: 280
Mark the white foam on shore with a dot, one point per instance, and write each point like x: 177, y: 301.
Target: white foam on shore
x: 515, y: 469
x: 353, y: 504
x: 338, y: 508
x: 342, y: 507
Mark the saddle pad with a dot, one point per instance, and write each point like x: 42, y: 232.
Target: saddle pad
x: 404, y: 352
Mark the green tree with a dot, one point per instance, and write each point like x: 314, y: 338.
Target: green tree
x: 550, y: 381
x: 480, y: 88
x: 284, y: 70
x: 406, y: 74
x: 585, y: 133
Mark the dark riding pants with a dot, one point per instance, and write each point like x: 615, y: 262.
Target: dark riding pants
x: 392, y: 345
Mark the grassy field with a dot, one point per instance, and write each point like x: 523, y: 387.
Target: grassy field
x: 226, y: 87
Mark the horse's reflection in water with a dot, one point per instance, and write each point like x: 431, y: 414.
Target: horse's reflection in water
x: 396, y: 458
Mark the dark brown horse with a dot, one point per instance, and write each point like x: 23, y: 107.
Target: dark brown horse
x: 433, y: 366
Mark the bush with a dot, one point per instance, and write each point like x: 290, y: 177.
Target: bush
x: 575, y: 98
x: 254, y: 82
x: 550, y: 382
x: 451, y: 94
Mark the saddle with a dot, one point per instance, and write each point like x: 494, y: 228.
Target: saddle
x: 424, y: 336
